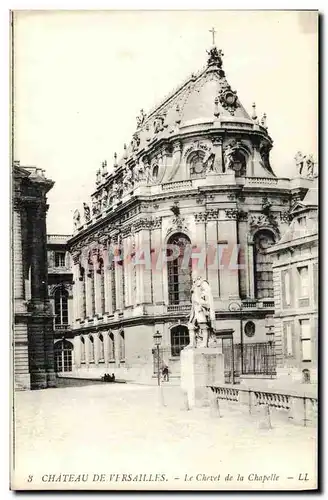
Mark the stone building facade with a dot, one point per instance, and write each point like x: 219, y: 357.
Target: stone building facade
x: 60, y: 286
x: 295, y: 273
x: 196, y: 176
x: 33, y: 359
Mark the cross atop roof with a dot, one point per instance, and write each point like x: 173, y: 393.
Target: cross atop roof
x: 213, y: 35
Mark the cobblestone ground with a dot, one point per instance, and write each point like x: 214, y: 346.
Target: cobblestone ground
x: 125, y: 429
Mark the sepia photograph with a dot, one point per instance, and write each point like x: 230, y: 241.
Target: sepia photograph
x: 164, y: 250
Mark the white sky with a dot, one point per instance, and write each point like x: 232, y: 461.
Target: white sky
x: 82, y: 77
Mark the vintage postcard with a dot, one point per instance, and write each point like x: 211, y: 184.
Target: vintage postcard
x: 165, y: 250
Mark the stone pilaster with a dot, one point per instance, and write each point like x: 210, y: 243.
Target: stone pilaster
x: 217, y: 150
x: 212, y: 256
x: 227, y: 231
x: 157, y: 265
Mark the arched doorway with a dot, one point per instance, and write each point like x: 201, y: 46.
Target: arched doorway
x: 63, y: 351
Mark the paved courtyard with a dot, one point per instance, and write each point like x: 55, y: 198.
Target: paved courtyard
x: 120, y: 436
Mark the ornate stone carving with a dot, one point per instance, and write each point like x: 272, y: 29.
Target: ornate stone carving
x: 158, y: 124
x: 228, y: 97
x: 135, y: 143
x: 231, y: 213
x: 286, y: 216
x: 77, y: 219
x: 141, y: 118
x: 200, y: 217
x: 86, y: 210
x: 127, y: 180
x: 215, y: 57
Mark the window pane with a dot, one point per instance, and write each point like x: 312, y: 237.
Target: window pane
x: 303, y: 273
x: 306, y: 350
x: 305, y: 329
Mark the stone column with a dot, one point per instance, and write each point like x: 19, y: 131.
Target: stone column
x: 77, y: 351
x: 127, y: 270
x: 227, y: 230
x: 77, y: 289
x: 213, y: 257
x: 157, y: 265
x: 145, y: 273
x: 242, y: 226
x: 41, y: 337
x: 250, y: 268
x: 139, y: 288
x: 97, y: 283
x: 21, y: 362
x: 217, y: 150
x: 176, y: 159
x: 88, y: 288
x: 198, y: 243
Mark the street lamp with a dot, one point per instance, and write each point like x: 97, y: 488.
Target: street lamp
x: 157, y: 341
x: 269, y: 325
x: 237, y: 306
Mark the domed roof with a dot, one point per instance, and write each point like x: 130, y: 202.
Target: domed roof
x: 204, y: 98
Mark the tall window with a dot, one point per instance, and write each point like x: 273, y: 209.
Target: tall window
x: 91, y: 349
x: 122, y: 346
x: 101, y: 348
x: 82, y: 349
x: 61, y: 306
x: 179, y: 271
x: 111, y: 347
x: 63, y: 356
x: 263, y: 274
x: 305, y: 329
x: 303, y: 273
x: 60, y: 259
x: 179, y: 339
x: 288, y: 334
x: 286, y: 284
x: 83, y: 303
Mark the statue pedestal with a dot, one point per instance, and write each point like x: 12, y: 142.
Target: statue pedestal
x: 200, y: 367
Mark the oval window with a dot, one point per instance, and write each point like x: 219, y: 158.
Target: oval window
x: 249, y: 329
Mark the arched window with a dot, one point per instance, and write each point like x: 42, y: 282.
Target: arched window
x: 122, y: 346
x: 82, y: 349
x: 179, y: 270
x: 61, y: 306
x: 91, y: 349
x: 111, y: 347
x: 101, y: 348
x: 63, y: 356
x: 179, y: 339
x: 263, y: 274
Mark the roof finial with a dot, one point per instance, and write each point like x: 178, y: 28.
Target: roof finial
x: 213, y: 35
x: 104, y: 168
x: 115, y: 160
x: 125, y: 152
x: 254, y: 115
x: 264, y: 121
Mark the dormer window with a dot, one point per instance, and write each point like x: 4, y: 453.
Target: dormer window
x: 60, y: 259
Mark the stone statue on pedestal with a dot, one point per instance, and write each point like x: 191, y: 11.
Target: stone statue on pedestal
x: 202, y: 314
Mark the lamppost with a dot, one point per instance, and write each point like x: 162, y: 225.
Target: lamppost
x: 269, y: 325
x: 237, y: 306
x: 157, y: 341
